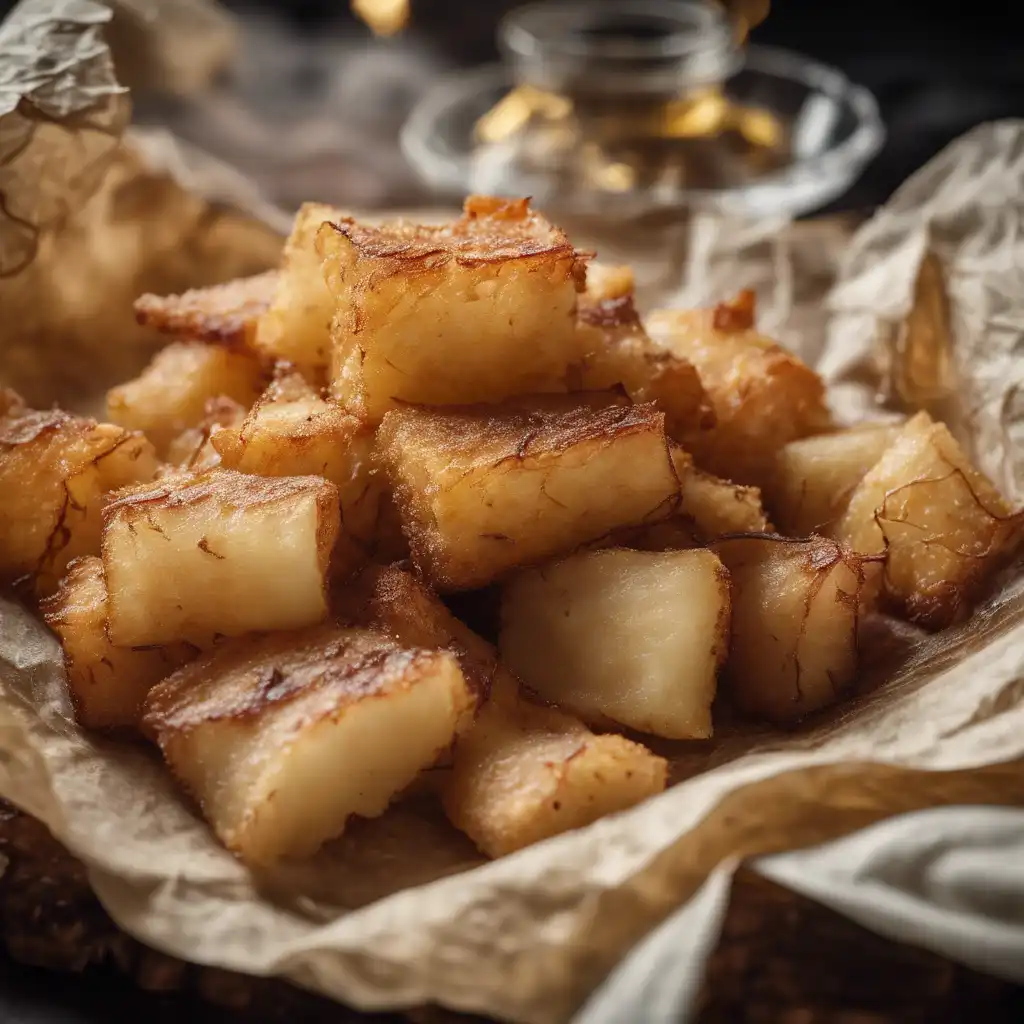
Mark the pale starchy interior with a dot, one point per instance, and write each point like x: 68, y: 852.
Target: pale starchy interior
x: 253, y: 564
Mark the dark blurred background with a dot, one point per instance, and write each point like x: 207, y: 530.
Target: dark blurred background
x: 313, y: 103
x: 936, y: 68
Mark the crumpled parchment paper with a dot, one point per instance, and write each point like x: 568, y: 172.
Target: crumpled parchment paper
x: 947, y: 879
x: 401, y: 911
x: 89, y: 218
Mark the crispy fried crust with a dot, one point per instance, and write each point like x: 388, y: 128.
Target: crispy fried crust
x: 292, y: 431
x: 282, y: 738
x: 265, y: 673
x: 763, y: 396
x: 172, y: 392
x: 225, y: 314
x: 796, y: 608
x: 477, y: 310
x: 295, y: 326
x: 107, y: 684
x: 713, y: 506
x: 489, y: 231
x: 391, y: 599
x: 192, y: 449
x: 525, y: 773
x: 55, y: 469
x: 943, y: 526
x: 618, y: 351
x: 482, y: 489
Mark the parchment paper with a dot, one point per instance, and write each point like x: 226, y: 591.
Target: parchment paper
x: 401, y: 911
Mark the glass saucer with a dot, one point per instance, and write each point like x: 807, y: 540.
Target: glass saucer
x: 832, y: 125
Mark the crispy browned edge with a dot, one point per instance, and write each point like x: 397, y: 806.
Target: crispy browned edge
x: 603, y: 425
x: 224, y: 314
x: 950, y: 603
x: 227, y: 486
x: 20, y: 425
x: 355, y: 668
x: 822, y: 556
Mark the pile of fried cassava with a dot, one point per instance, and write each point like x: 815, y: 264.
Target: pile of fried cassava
x: 252, y: 563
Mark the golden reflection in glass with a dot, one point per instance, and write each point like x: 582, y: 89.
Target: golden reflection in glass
x: 384, y: 17
x: 700, y: 140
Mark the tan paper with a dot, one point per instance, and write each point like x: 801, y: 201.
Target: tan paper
x: 402, y: 911
x: 106, y: 220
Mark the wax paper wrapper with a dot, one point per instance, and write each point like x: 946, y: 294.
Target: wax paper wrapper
x: 922, y: 305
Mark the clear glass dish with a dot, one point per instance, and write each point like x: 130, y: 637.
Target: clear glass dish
x: 832, y: 126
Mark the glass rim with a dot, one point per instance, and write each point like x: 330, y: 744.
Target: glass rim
x: 557, y: 30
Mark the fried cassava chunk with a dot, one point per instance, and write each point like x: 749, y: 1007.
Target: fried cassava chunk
x: 482, y: 490
x: 292, y: 431
x: 55, y: 470
x: 224, y: 314
x: 763, y: 396
x: 608, y: 281
x: 108, y: 684
x: 281, y: 739
x: 525, y: 773
x: 715, y: 506
x: 521, y: 773
x: 217, y: 553
x: 708, y: 508
x: 296, y: 327
x: 193, y: 449
x: 631, y: 637
x: 795, y: 611
x: 393, y: 600
x: 477, y: 310
x: 170, y: 395
x: 814, y: 478
x: 943, y: 525
x: 617, y: 351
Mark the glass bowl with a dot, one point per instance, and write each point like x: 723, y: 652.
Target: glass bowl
x: 833, y: 127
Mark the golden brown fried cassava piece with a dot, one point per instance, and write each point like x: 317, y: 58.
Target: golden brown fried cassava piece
x: 478, y: 310
x: 282, y: 738
x: 632, y: 637
x: 484, y: 489
x: 795, y: 610
x: 617, y: 351
x: 192, y: 450
x: 217, y: 553
x: 296, y: 327
x: 943, y: 525
x: 225, y: 314
x: 607, y: 282
x: 713, y: 506
x: 814, y: 477
x: 170, y: 394
x: 525, y: 773
x: 292, y: 431
x: 708, y: 508
x: 763, y: 396
x: 55, y: 469
x: 522, y: 773
x: 108, y: 684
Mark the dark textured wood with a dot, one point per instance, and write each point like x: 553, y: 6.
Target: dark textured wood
x: 49, y: 918
x: 784, y: 958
